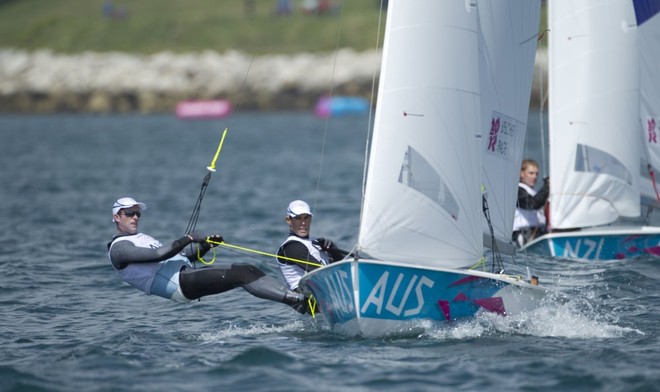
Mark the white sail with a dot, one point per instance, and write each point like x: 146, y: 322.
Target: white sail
x: 509, y: 31
x: 422, y: 194
x: 648, y: 32
x: 593, y: 112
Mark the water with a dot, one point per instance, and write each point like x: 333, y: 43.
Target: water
x: 69, y: 323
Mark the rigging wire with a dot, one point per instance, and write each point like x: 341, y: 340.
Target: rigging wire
x: 652, y: 175
x: 331, y: 93
x: 327, y: 119
x: 372, y: 99
x: 194, y: 217
x: 543, y: 99
x: 497, y: 256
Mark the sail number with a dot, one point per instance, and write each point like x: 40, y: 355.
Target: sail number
x: 583, y: 248
x: 338, y: 289
x: 397, y: 296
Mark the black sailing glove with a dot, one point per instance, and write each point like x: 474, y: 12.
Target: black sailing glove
x: 197, y: 237
x: 324, y: 244
x: 187, y: 239
x: 215, y: 239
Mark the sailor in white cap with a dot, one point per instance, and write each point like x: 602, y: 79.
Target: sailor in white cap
x: 169, y: 271
x: 298, y: 246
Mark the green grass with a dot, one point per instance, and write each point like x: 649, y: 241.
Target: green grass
x: 71, y: 26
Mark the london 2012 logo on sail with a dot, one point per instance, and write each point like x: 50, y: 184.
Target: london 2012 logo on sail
x: 503, y: 135
x: 653, y: 134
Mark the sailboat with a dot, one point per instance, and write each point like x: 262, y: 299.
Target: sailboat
x: 647, y: 13
x: 451, y: 112
x: 594, y: 87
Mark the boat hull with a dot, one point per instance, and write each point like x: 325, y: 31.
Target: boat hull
x: 373, y: 298
x: 598, y: 245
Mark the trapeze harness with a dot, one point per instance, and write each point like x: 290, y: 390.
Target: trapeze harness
x: 157, y: 278
x: 293, y: 272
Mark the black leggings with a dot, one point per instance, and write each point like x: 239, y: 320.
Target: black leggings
x: 197, y: 283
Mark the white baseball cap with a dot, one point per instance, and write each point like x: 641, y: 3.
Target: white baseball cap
x: 126, y: 202
x: 298, y: 207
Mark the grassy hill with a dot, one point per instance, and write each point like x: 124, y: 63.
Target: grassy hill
x: 149, y: 26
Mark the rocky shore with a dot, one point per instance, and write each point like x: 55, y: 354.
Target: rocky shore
x: 47, y: 82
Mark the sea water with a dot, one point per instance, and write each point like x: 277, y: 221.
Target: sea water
x: 69, y: 323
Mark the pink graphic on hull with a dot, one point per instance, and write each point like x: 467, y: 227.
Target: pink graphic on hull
x: 633, y: 248
x: 465, y: 280
x: 460, y: 297
x: 444, y: 306
x: 495, y: 304
x: 654, y: 250
x: 490, y: 304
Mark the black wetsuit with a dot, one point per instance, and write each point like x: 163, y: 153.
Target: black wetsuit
x: 199, y: 282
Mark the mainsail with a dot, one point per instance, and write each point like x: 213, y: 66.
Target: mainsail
x: 593, y: 112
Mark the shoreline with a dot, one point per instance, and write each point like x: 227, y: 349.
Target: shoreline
x: 46, y: 82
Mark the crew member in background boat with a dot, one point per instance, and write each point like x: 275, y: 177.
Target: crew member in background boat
x: 529, y: 221
x: 169, y: 272
x: 299, y: 246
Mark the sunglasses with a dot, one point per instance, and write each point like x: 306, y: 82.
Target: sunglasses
x: 130, y: 214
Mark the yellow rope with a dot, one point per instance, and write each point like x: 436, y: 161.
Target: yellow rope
x: 200, y: 258
x: 262, y: 253
x: 481, y: 262
x: 311, y: 304
x: 311, y: 301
